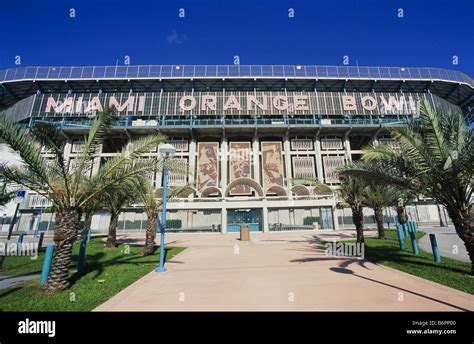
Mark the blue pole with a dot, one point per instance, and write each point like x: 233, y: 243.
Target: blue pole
x: 405, y: 229
x: 401, y: 238
x: 414, y: 226
x: 409, y: 226
x: 48, y: 258
x: 40, y: 241
x: 413, y: 243
x: 20, y: 239
x: 434, y: 247
x: 161, y: 268
x: 82, y: 255
x: 89, y: 234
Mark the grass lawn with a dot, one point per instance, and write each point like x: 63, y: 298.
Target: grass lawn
x: 106, y: 273
x: 452, y: 273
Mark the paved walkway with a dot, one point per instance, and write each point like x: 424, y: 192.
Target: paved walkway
x: 278, y: 271
x: 449, y: 243
x: 10, y: 281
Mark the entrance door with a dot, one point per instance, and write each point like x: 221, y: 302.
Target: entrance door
x: 326, y: 218
x: 238, y: 217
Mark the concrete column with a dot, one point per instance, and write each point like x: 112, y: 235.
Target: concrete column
x: 256, y: 159
x: 287, y: 148
x: 347, y: 145
x: 192, y: 160
x: 96, y: 163
x: 265, y: 217
x: 159, y: 181
x: 67, y: 150
x: 224, y: 218
x: 318, y: 158
x: 223, y: 167
x: 375, y: 139
x: 335, y: 222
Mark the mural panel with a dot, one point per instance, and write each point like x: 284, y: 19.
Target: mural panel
x: 207, y: 165
x: 272, y: 164
x: 240, y: 166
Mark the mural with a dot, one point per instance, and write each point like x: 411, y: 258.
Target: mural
x: 207, y: 165
x: 272, y: 164
x: 240, y: 166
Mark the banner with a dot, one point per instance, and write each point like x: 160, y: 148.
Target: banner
x: 272, y: 164
x: 207, y: 165
x: 240, y: 166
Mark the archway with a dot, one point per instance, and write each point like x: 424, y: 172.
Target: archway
x: 244, y: 181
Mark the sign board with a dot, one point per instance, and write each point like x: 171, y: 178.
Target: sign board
x: 20, y: 195
x: 231, y: 103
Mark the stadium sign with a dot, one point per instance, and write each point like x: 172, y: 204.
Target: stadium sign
x: 228, y: 103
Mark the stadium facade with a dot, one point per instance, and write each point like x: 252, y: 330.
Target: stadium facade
x: 247, y: 133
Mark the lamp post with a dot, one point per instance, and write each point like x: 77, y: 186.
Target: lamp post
x: 167, y: 151
x: 43, y: 201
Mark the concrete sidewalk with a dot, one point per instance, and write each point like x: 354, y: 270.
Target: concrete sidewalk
x: 449, y: 243
x: 278, y: 271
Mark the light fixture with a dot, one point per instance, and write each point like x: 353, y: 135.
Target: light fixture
x: 167, y: 150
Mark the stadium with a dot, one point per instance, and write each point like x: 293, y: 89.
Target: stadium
x: 247, y: 133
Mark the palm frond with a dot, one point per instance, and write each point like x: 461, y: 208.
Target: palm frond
x: 17, y: 137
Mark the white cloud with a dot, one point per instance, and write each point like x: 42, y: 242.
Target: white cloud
x: 175, y: 38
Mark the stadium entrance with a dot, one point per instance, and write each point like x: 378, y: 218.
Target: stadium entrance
x: 248, y: 217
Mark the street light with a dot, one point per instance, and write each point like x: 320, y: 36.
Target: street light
x: 43, y: 201
x: 167, y: 151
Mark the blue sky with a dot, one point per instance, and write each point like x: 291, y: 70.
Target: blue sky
x: 369, y: 32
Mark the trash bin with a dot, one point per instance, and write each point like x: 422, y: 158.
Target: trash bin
x: 244, y: 233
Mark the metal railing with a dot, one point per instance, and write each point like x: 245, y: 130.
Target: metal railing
x: 284, y: 121
x: 230, y: 71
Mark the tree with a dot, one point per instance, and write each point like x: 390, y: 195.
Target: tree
x: 353, y: 191
x: 114, y: 202
x: 70, y: 189
x: 379, y: 195
x: 151, y: 200
x: 436, y: 158
x: 5, y: 196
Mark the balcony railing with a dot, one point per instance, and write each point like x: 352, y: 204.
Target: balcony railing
x: 284, y: 121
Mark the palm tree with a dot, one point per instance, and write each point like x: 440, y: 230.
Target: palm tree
x: 353, y: 191
x: 70, y: 189
x: 152, y: 202
x: 435, y: 158
x: 5, y: 196
x: 114, y: 202
x: 379, y: 195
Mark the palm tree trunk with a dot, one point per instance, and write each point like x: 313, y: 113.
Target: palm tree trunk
x: 112, y: 235
x: 65, y: 234
x: 87, y: 225
x: 378, y: 212
x: 150, y: 235
x: 358, y: 219
x: 463, y: 220
x: 402, y: 215
x: 441, y: 223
